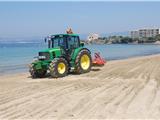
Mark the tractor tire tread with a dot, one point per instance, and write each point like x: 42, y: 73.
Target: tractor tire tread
x: 78, y: 68
x: 53, y: 67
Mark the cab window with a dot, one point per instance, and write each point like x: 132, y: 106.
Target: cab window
x: 73, y: 42
x: 58, y: 42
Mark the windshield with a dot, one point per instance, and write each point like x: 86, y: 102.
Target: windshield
x: 58, y: 41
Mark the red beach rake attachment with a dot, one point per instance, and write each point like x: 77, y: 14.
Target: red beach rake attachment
x: 98, y: 60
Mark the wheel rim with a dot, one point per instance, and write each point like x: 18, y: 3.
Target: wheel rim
x: 61, y: 68
x: 85, y: 62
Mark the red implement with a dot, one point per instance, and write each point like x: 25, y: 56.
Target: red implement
x: 98, y: 61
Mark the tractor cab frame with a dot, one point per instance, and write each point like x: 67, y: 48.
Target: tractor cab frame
x: 65, y: 41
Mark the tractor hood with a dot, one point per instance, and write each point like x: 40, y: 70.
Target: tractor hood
x: 51, y: 50
x: 50, y: 53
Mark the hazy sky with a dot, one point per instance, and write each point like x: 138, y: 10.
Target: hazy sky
x: 42, y: 18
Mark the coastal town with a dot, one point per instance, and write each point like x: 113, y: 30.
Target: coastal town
x: 140, y: 36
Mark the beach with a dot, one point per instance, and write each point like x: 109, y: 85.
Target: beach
x: 126, y: 88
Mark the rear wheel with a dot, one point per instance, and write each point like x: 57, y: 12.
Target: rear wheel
x: 83, y: 62
x: 36, y: 73
x: 58, y: 67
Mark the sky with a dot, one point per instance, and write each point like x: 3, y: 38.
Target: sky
x: 27, y: 19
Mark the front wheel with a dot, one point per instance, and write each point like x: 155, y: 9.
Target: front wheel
x: 36, y: 73
x: 83, y: 62
x: 58, y: 67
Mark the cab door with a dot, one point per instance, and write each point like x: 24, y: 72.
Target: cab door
x: 73, y: 42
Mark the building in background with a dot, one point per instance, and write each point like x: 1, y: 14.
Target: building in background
x: 144, y: 33
x: 134, y: 34
x: 92, y: 37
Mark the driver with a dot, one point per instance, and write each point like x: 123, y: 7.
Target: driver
x: 69, y: 31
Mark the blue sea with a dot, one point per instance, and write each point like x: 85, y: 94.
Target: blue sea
x: 14, y: 57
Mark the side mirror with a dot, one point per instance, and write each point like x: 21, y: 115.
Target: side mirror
x: 45, y: 40
x: 81, y: 44
x: 49, y: 43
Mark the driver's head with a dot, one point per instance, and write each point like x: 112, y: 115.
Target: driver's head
x: 69, y: 31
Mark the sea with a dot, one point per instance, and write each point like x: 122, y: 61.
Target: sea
x: 16, y: 56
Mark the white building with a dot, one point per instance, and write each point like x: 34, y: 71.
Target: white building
x: 92, y: 37
x: 145, y: 33
x: 134, y: 34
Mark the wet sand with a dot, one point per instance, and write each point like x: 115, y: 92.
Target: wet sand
x: 121, y: 89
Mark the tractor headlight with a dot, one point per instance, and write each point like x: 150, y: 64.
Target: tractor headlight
x: 44, y: 56
x: 41, y: 57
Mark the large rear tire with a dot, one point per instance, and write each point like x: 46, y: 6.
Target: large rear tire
x: 36, y: 73
x: 83, y: 62
x: 58, y: 68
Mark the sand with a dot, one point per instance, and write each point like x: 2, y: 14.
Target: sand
x: 121, y: 89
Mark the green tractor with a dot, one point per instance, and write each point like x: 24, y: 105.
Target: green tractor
x: 65, y: 53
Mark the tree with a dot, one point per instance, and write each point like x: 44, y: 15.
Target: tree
x: 126, y: 40
x: 157, y: 38
x: 151, y: 39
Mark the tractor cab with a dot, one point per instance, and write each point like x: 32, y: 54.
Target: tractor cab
x: 65, y: 41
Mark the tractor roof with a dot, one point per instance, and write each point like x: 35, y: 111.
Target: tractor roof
x: 65, y: 35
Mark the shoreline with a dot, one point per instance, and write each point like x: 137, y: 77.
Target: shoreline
x: 23, y: 68
x: 123, y: 43
x: 22, y: 56
x: 110, y: 61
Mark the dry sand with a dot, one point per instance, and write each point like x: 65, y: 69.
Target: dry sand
x: 121, y: 89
